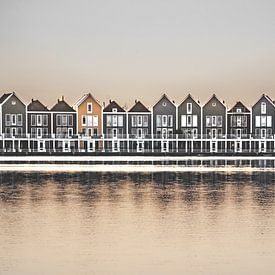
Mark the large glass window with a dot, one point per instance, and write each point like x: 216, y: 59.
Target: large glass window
x: 170, y: 121
x: 120, y: 121
x: 158, y: 120
x: 145, y: 121
x: 70, y: 120
x: 45, y: 120
x: 208, y: 121
x: 189, y: 108
x: 109, y: 120
x: 33, y: 120
x: 263, y: 108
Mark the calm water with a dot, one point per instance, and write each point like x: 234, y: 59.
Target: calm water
x: 180, y: 223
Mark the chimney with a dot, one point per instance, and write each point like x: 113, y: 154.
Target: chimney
x: 32, y: 99
x: 223, y: 101
x: 198, y: 101
x: 62, y: 98
x: 103, y: 104
x: 110, y: 101
x: 135, y: 101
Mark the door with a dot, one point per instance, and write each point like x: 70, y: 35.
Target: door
x: 114, y: 133
x: 115, y: 146
x: 66, y: 146
x: 214, y: 133
x: 91, y: 146
x: 239, y: 133
x: 164, y: 146
x: 139, y: 131
x: 262, y: 146
x: 238, y: 146
x: 140, y: 146
x: 263, y: 133
x: 164, y: 133
x: 213, y: 146
x: 41, y: 146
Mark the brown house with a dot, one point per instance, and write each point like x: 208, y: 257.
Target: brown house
x: 89, y: 116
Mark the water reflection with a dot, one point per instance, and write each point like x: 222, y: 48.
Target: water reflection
x: 114, y: 223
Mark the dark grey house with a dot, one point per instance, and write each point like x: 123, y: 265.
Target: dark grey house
x: 139, y: 126
x: 238, y: 121
x: 214, y: 118
x: 263, y: 112
x: 114, y: 126
x: 63, y: 119
x: 164, y: 123
x: 39, y: 120
x: 13, y: 113
x: 189, y: 118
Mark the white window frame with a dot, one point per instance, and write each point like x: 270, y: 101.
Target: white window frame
x: 189, y: 108
x: 89, y: 105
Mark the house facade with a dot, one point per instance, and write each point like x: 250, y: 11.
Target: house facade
x: 39, y: 120
x: 164, y: 123
x: 238, y: 121
x: 63, y: 119
x: 13, y: 113
x: 89, y: 116
x: 114, y: 127
x: 139, y: 127
x: 263, y: 112
x: 214, y: 118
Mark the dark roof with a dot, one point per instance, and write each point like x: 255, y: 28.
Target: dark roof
x: 166, y: 97
x: 4, y: 97
x: 138, y: 107
x: 187, y: 97
x: 62, y: 106
x: 111, y: 105
x: 239, y: 105
x: 36, y: 105
x: 266, y: 97
x: 214, y: 97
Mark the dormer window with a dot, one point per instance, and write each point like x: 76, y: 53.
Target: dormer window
x: 189, y: 108
x: 114, y: 110
x: 89, y: 107
x: 263, y: 108
x: 239, y: 110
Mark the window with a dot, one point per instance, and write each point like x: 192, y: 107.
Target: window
x: 33, y: 119
x: 45, y: 120
x: 195, y: 133
x: 58, y: 120
x: 269, y: 121
x: 145, y: 121
x: 39, y: 132
x: 89, y: 107
x: 208, y: 121
x: 64, y: 121
x: 95, y: 131
x: 183, y: 120
x: 8, y: 119
x: 158, y: 120
x: 263, y: 121
x: 114, y: 110
x: 257, y: 132
x: 214, y: 121
x: 189, y: 120
x: 164, y: 121
x: 13, y: 119
x: 239, y: 121
x: 189, y: 108
x: 19, y: 131
x: 214, y: 104
x: 239, y: 110
x: 134, y: 121
x: 19, y: 120
x: 109, y: 120
x: 39, y: 120
x: 33, y: 133
x: 120, y: 121
x: 219, y: 121
x: 244, y: 121
x: 195, y: 121
x: 84, y: 120
x: 139, y: 120
x: 45, y: 132
x: 164, y: 104
x: 13, y: 102
x: 70, y: 132
x: 90, y: 120
x: 170, y: 121
x: 263, y: 108
x: 258, y: 121
x: 114, y: 120
x: 70, y: 120
x: 95, y: 120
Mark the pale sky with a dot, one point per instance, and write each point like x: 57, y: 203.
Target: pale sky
x: 127, y: 50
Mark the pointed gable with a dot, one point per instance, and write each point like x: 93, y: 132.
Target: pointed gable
x: 239, y: 105
x: 189, y: 98
x: 113, y: 105
x: 139, y: 107
x: 266, y: 98
x: 214, y: 100
x: 36, y: 105
x: 164, y: 98
x: 84, y: 97
x: 62, y: 106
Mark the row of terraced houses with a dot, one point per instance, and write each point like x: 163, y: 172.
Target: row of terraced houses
x: 89, y: 126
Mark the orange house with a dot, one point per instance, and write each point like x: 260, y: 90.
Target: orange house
x: 89, y: 116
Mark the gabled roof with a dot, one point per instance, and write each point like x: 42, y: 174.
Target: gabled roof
x: 84, y: 97
x: 214, y: 97
x: 62, y: 106
x: 111, y: 105
x: 267, y: 98
x: 4, y: 97
x: 36, y: 105
x: 239, y: 105
x: 166, y: 97
x: 139, y: 107
x: 187, y: 97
